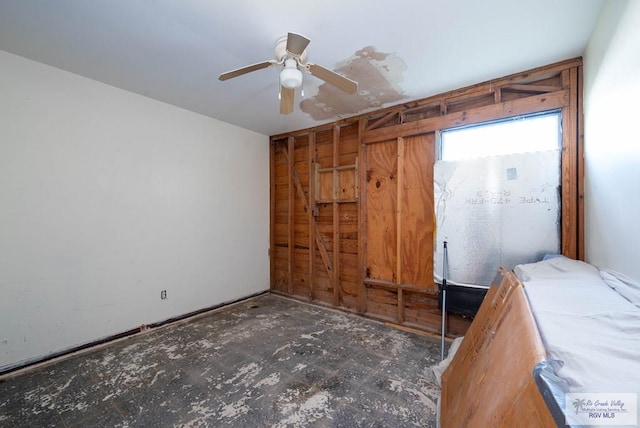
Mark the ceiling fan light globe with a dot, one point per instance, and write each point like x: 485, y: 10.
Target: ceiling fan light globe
x: 291, y: 78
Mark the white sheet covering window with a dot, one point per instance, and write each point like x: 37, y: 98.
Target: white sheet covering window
x: 496, y: 211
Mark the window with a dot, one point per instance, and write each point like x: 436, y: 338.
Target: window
x: 497, y: 196
x: 532, y: 133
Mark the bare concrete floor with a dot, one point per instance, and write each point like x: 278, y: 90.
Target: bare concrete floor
x: 268, y: 361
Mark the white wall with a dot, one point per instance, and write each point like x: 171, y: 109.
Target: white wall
x: 612, y: 139
x: 107, y: 198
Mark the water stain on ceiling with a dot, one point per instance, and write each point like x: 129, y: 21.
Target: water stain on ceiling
x: 379, y: 76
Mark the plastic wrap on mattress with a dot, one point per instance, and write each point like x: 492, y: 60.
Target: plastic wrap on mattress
x: 553, y: 389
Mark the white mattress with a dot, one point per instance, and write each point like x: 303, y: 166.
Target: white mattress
x: 593, y: 330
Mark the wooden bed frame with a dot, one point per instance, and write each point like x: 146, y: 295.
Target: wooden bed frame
x: 490, y: 381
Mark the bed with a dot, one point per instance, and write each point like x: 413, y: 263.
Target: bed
x: 546, y: 329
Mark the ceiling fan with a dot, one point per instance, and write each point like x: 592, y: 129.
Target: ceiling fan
x: 291, y: 54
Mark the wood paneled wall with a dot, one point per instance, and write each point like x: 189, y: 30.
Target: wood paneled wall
x: 352, y: 211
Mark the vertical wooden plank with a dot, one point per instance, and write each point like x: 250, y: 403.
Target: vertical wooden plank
x: 291, y: 214
x: 301, y: 282
x: 381, y: 211
x: 362, y: 216
x: 399, y: 185
x: 272, y: 214
x: 316, y: 175
x: 279, y: 251
x: 336, y: 220
x: 580, y: 172
x: 357, y: 168
x: 569, y: 165
x: 418, y: 217
x: 310, y: 215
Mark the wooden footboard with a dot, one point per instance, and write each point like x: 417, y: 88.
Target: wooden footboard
x: 490, y: 382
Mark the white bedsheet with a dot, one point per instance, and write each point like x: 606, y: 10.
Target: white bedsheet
x: 562, y: 268
x: 623, y: 285
x: 585, y: 324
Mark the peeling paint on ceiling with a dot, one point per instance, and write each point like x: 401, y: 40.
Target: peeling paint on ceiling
x: 379, y: 77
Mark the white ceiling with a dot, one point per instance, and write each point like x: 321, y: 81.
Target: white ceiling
x: 174, y: 50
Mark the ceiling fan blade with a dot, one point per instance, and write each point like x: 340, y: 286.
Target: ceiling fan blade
x: 296, y: 44
x: 286, y: 100
x: 244, y: 70
x: 330, y: 76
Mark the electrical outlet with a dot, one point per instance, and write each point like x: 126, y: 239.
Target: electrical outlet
x: 163, y: 294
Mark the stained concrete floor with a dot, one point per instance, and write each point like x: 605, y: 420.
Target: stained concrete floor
x: 267, y: 361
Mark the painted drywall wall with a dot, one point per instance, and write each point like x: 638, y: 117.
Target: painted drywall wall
x: 107, y: 198
x: 612, y: 145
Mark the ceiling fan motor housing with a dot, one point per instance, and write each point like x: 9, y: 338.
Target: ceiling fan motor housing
x: 281, y: 51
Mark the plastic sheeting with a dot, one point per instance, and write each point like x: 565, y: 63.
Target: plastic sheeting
x: 496, y: 211
x: 552, y: 388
